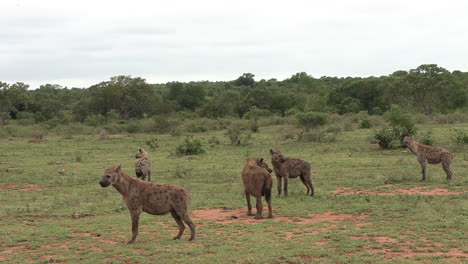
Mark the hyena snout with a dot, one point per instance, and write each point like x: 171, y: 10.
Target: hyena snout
x: 106, y: 181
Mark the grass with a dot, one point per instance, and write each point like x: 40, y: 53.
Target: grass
x: 50, y: 182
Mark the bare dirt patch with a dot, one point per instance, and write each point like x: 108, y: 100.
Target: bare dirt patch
x: 227, y: 216
x: 25, y: 187
x: 386, y: 190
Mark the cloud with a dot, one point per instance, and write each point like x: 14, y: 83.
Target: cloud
x: 78, y: 43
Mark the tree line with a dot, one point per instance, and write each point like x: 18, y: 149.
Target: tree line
x: 428, y: 89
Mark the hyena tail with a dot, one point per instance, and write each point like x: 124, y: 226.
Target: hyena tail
x: 267, y: 191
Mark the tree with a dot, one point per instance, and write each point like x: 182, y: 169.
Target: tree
x: 427, y: 84
x: 247, y: 79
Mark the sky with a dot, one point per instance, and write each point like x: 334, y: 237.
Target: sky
x: 81, y: 43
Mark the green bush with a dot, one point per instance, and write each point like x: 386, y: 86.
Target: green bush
x: 195, y: 127
x: 365, y: 123
x: 461, y: 138
x: 190, y: 146
x: 401, y: 123
x: 310, y: 120
x: 386, y: 138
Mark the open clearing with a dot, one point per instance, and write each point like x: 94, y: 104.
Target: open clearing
x: 369, y: 207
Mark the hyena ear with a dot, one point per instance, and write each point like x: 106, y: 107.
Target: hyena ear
x: 260, y: 161
x: 140, y: 150
x: 118, y: 169
x: 271, y: 152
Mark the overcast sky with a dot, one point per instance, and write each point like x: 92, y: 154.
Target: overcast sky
x: 81, y: 43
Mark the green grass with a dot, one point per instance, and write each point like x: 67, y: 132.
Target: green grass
x: 37, y: 224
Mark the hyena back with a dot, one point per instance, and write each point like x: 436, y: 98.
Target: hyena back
x: 143, y: 165
x: 428, y: 154
x: 285, y: 168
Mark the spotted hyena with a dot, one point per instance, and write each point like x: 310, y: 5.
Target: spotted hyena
x: 428, y: 154
x: 143, y: 165
x: 156, y: 199
x: 257, y: 182
x: 285, y: 168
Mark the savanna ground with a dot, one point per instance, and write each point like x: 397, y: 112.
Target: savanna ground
x: 370, y: 205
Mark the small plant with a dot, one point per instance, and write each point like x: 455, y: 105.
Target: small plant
x: 152, y: 143
x: 103, y: 135
x: 181, y: 172
x: 78, y: 156
x: 461, y: 138
x: 190, y: 146
x: 238, y: 134
x: 214, y: 141
x: 365, y: 123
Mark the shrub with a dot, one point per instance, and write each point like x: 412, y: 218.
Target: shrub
x: 190, y: 146
x: 320, y: 135
x: 365, y: 123
x: 152, y: 143
x: 461, y: 138
x: 401, y: 123
x: 195, y: 127
x: 214, y: 141
x: 95, y: 120
x: 310, y: 120
x: 238, y: 134
x: 385, y: 137
x: 163, y: 124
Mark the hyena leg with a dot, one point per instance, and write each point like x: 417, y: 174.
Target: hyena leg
x: 259, y: 207
x: 149, y: 176
x: 249, y: 205
x: 423, y: 170
x: 312, y: 190
x: 285, y: 179
x: 306, y: 184
x: 270, y: 210
x: 179, y: 222
x: 278, y: 180
x: 446, y: 166
x: 135, y: 215
x: 191, y: 225
x: 183, y: 213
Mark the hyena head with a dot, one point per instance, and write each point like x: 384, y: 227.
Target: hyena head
x: 141, y: 153
x: 408, y: 141
x: 262, y: 164
x: 110, y: 176
x: 277, y: 156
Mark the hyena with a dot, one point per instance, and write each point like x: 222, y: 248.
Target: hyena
x: 428, y: 154
x: 257, y: 182
x: 285, y: 168
x: 155, y: 199
x: 143, y: 165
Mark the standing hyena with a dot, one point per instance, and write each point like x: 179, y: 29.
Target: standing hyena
x: 155, y: 199
x: 291, y: 168
x: 257, y: 182
x: 428, y: 154
x: 143, y: 165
